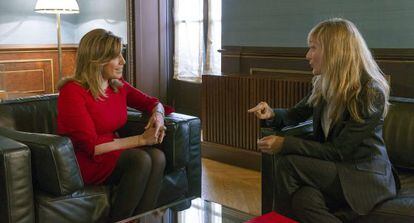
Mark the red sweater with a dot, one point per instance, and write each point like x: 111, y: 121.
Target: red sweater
x: 89, y: 122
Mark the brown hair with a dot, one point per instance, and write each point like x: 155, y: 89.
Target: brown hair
x: 96, y: 48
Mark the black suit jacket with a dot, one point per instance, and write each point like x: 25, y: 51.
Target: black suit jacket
x: 357, y: 149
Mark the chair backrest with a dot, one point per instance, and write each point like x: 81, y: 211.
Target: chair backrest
x: 398, y: 132
x: 33, y: 114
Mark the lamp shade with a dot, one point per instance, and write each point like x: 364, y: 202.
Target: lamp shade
x: 57, y: 6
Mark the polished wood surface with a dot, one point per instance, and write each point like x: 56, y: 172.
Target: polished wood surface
x: 231, y: 186
x: 3, y: 95
x: 232, y: 155
x: 31, y: 70
x: 226, y: 99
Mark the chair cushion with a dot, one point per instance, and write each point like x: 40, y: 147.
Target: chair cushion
x: 407, y: 183
x: 398, y: 209
x: 398, y: 133
x: 90, y: 204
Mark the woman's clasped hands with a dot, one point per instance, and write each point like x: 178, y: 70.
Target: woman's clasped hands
x: 269, y: 144
x: 155, y: 129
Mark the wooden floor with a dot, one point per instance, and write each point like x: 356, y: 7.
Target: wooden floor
x: 231, y: 186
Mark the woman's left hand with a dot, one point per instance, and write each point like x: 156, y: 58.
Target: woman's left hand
x: 270, y: 144
x: 157, y: 121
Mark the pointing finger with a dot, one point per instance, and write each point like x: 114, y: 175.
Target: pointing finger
x: 254, y: 109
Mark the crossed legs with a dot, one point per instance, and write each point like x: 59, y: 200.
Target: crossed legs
x: 307, y: 189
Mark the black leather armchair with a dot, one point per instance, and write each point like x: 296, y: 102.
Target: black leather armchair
x: 398, y: 134
x: 40, y: 179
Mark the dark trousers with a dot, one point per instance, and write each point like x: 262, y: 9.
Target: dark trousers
x: 137, y: 178
x: 309, y: 190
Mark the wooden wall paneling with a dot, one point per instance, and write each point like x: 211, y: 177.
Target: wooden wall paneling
x: 206, y: 104
x: 227, y: 127
x: 26, y: 77
x: 32, y: 70
x: 230, y: 60
x: 150, y: 48
x: 186, y: 97
x: 130, y: 71
x: 166, y: 27
x: 68, y: 62
x: 16, y: 81
x: 401, y: 77
x: 398, y: 63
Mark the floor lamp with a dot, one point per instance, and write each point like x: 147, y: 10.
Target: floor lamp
x: 57, y: 7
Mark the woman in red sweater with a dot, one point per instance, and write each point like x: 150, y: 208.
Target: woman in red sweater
x: 92, y: 105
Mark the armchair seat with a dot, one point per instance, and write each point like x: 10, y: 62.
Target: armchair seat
x: 89, y: 204
x: 48, y: 186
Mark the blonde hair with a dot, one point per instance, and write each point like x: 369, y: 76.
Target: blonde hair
x: 350, y: 76
x: 96, y: 48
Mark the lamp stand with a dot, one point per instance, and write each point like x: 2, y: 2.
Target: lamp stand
x: 59, y: 47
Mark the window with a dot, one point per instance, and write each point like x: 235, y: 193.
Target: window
x: 197, y: 38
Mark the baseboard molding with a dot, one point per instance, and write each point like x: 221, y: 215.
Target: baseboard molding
x: 231, y: 155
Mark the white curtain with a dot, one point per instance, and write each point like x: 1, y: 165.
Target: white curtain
x: 189, y: 41
x: 192, y: 56
x: 213, y: 57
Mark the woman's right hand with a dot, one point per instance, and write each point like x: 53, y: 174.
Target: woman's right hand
x: 262, y: 111
x: 149, y: 137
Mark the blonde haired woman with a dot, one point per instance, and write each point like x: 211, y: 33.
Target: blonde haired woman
x: 92, y: 105
x: 345, y: 163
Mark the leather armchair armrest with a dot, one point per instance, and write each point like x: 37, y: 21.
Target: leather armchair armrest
x: 303, y: 129
x: 16, y: 190
x: 183, y: 133
x: 54, y: 163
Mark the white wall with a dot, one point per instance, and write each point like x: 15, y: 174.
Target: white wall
x: 110, y: 15
x: 19, y: 24
x: 286, y: 23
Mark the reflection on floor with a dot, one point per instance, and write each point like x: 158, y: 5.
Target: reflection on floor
x: 231, y: 186
x: 237, y: 189
x: 199, y: 211
x: 202, y: 211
